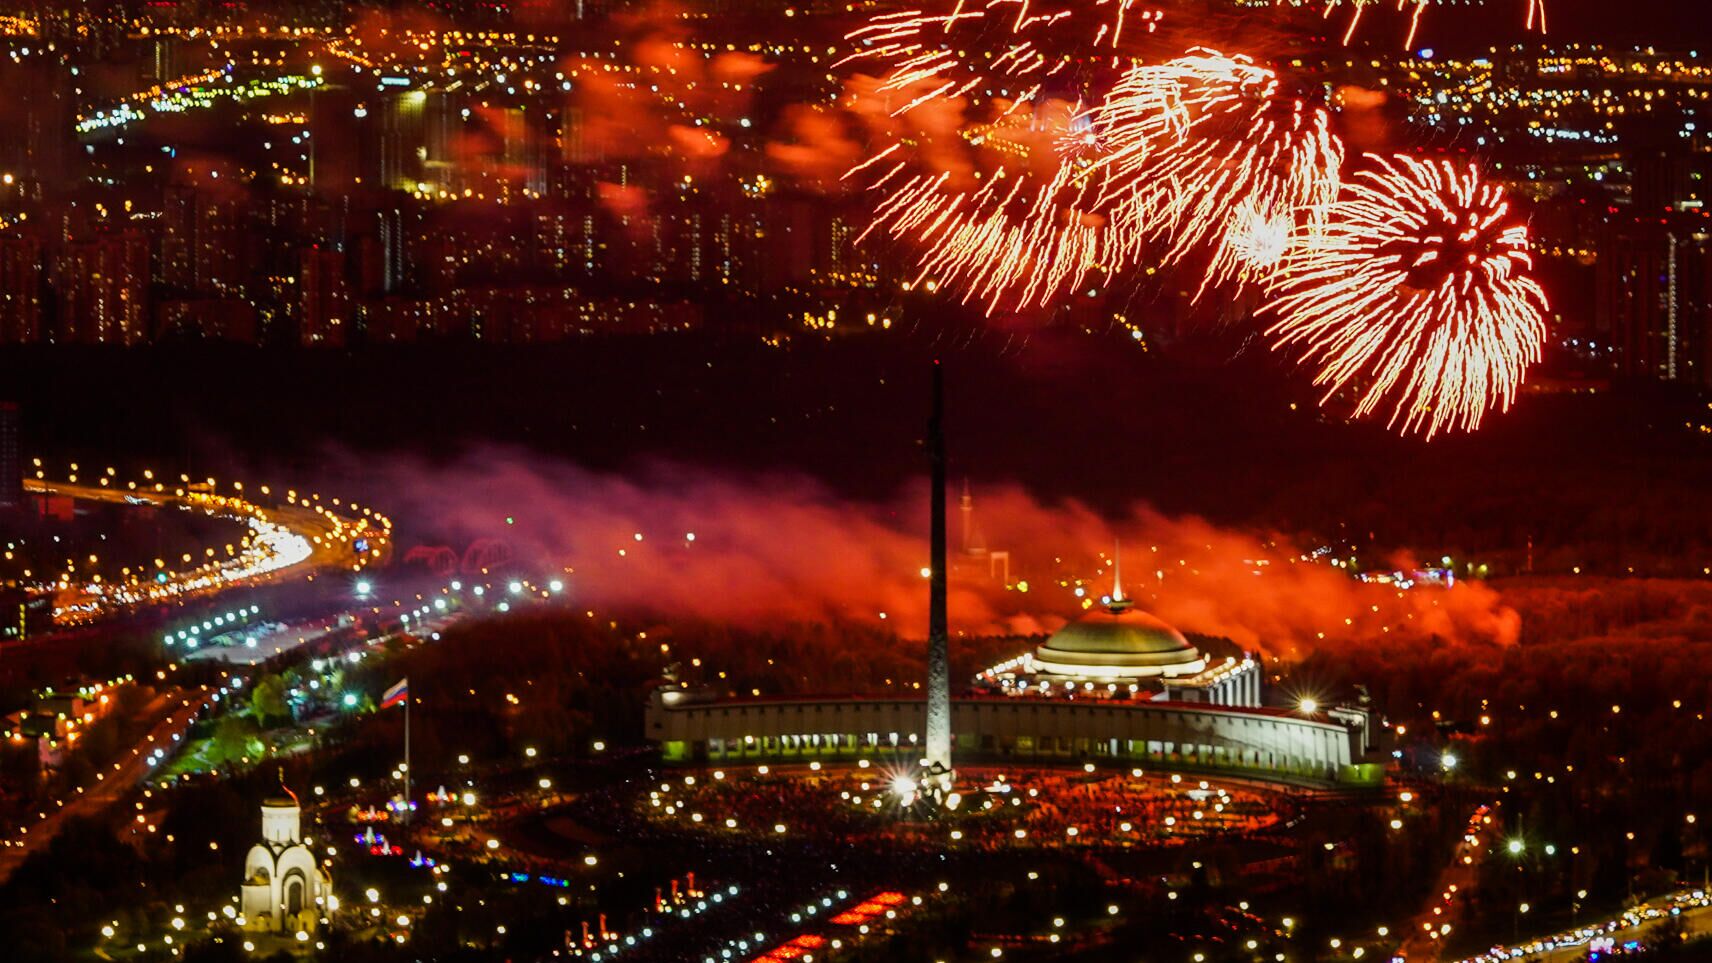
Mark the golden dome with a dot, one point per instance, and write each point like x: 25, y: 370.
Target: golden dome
x: 1117, y: 641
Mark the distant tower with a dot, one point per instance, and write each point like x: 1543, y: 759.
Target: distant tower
x: 11, y: 458
x: 974, y: 540
x: 966, y: 507
x: 938, y: 756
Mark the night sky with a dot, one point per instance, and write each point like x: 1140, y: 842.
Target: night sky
x: 1663, y: 22
x: 1666, y: 23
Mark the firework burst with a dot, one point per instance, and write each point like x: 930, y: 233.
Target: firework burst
x: 1020, y: 235
x: 1206, y: 152
x: 1002, y: 201
x: 1415, y: 291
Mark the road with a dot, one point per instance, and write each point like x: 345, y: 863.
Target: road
x: 1635, y: 925
x: 286, y: 541
x: 1457, y: 878
x: 119, y: 778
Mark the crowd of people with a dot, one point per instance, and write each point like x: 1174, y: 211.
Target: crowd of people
x: 1047, y: 807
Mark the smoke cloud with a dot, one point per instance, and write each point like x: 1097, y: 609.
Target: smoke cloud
x: 767, y: 550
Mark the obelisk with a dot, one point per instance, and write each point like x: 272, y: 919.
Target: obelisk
x: 937, y: 760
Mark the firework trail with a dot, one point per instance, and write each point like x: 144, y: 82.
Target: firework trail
x: 1200, y: 153
x: 1021, y: 236
x: 1415, y: 291
x: 1535, y: 10
x: 1004, y: 205
x: 1027, y: 43
x: 1206, y: 152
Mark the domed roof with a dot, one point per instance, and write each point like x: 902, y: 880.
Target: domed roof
x: 1120, y: 631
x: 1118, y: 641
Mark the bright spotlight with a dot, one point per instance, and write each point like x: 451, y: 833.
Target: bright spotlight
x: 364, y: 587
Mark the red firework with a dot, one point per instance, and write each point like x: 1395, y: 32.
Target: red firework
x: 1415, y: 291
x: 1206, y: 152
x: 990, y: 162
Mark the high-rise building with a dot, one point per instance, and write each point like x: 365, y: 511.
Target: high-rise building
x: 20, y: 290
x: 102, y: 288
x: 563, y: 242
x: 174, y: 266
x: 326, y: 300
x: 576, y: 146
x: 380, y: 253
x: 523, y: 151
x: 203, y: 241
x: 1653, y: 300
x: 398, y: 148
x: 11, y: 458
x: 165, y: 58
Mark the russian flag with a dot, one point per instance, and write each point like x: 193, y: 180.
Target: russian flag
x: 396, y: 695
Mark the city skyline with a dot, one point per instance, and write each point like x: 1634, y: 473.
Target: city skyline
x: 474, y: 477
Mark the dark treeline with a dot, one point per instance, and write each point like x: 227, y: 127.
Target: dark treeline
x: 1592, y: 731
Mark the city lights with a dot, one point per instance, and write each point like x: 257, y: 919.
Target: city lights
x: 699, y: 482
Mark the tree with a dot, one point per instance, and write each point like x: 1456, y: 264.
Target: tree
x: 267, y: 700
x: 234, y: 740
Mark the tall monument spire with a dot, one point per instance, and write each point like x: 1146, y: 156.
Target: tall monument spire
x: 937, y: 758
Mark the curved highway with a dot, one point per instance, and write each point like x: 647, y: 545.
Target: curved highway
x: 284, y: 541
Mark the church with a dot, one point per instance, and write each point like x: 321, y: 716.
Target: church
x: 285, y: 889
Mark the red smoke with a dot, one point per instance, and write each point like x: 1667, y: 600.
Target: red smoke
x: 661, y: 90
x: 778, y: 549
x: 624, y: 201
x: 1364, y: 123
x: 814, y: 149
